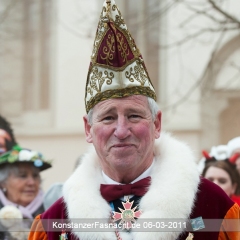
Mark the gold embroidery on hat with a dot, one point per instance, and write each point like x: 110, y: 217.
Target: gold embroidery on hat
x: 138, y: 73
x: 98, y: 77
x: 122, y: 47
x: 118, y: 93
x: 117, y: 69
x: 108, y: 8
x: 96, y: 45
x: 109, y: 50
x: 90, y: 91
x: 114, y: 32
x: 101, y: 31
x: 119, y: 20
x: 103, y: 28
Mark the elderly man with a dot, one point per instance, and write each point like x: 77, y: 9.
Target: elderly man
x: 134, y: 183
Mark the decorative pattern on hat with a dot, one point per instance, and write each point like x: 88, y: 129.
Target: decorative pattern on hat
x: 117, y: 68
x: 18, y: 154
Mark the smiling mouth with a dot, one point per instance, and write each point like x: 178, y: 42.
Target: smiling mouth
x: 122, y: 145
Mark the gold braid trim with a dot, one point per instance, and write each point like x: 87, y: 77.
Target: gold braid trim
x: 116, y: 69
x: 119, y: 93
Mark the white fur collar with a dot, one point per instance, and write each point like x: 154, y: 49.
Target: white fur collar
x: 171, y: 195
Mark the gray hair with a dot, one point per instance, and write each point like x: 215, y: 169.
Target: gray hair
x: 154, y: 108
x: 7, y: 169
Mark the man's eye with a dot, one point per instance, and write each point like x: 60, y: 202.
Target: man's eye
x: 109, y: 118
x: 135, y: 116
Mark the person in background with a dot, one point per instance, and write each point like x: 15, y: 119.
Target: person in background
x: 234, y: 148
x: 20, y: 185
x: 55, y: 190
x: 222, y: 171
x: 7, y: 139
x: 53, y: 193
x: 131, y: 173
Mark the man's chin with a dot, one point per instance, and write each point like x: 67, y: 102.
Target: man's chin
x: 125, y: 151
x: 124, y: 162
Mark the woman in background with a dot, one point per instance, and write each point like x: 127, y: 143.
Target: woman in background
x: 223, y: 172
x: 20, y: 183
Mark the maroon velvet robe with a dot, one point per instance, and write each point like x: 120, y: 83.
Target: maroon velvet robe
x: 211, y: 203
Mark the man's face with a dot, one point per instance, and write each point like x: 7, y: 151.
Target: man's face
x: 3, y: 137
x: 123, y: 133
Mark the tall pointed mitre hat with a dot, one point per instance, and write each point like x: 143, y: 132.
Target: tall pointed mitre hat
x: 117, y: 68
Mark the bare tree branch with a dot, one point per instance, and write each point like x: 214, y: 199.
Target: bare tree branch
x: 224, y: 13
x: 197, y: 84
x: 197, y: 34
x: 205, y: 13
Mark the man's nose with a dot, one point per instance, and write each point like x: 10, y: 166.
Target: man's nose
x: 122, y: 129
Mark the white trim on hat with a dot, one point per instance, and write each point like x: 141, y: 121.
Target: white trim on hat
x: 219, y: 152
x: 233, y: 145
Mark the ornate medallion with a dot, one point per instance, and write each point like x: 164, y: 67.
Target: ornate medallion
x: 127, y: 216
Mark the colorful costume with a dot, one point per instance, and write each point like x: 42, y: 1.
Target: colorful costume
x: 117, y: 70
x: 236, y: 199
x: 176, y: 192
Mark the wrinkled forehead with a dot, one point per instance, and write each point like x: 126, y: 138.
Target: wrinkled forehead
x: 4, y: 134
x: 133, y: 101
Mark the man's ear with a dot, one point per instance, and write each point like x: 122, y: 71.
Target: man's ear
x: 87, y: 127
x: 157, y: 124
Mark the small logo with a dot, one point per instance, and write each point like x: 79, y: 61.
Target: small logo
x: 197, y: 223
